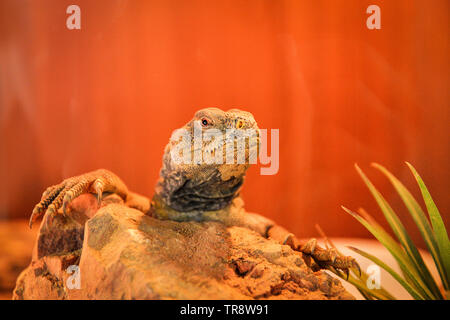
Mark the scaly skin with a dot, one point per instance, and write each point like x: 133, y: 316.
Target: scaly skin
x: 199, y: 192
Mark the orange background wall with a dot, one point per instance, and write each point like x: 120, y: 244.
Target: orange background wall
x: 110, y: 94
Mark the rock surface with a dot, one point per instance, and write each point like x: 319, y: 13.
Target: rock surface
x: 123, y: 254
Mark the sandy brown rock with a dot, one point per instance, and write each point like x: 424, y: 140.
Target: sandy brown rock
x: 123, y: 254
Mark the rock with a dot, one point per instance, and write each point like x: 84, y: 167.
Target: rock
x: 120, y: 253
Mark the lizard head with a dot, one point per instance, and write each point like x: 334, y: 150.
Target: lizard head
x: 206, y: 160
x: 227, y: 137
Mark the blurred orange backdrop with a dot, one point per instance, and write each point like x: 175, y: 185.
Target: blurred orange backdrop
x: 110, y: 95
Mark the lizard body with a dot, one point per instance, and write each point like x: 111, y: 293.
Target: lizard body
x: 196, y: 190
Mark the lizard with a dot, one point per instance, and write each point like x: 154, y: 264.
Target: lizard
x: 196, y: 191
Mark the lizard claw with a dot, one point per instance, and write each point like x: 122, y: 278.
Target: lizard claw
x: 98, y: 187
x: 351, y: 264
x: 59, y: 196
x: 34, y: 216
x: 288, y: 239
x: 357, y: 267
x: 333, y: 255
x: 309, y: 247
x: 346, y: 272
x: 48, y: 197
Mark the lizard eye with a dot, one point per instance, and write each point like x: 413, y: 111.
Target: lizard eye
x: 239, y: 124
x: 205, y: 122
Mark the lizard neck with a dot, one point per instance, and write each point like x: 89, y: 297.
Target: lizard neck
x: 228, y: 215
x: 190, y: 192
x: 208, y: 189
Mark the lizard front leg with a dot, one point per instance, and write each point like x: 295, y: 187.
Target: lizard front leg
x: 60, y: 195
x: 323, y: 258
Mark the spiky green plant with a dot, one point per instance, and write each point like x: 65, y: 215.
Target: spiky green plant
x: 415, y: 277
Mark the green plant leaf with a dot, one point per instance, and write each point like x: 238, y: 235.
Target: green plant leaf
x: 360, y: 284
x: 394, y: 274
x: 405, y: 264
x: 439, y: 229
x: 373, y: 222
x: 419, y: 218
x: 370, y: 294
x: 399, y: 230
